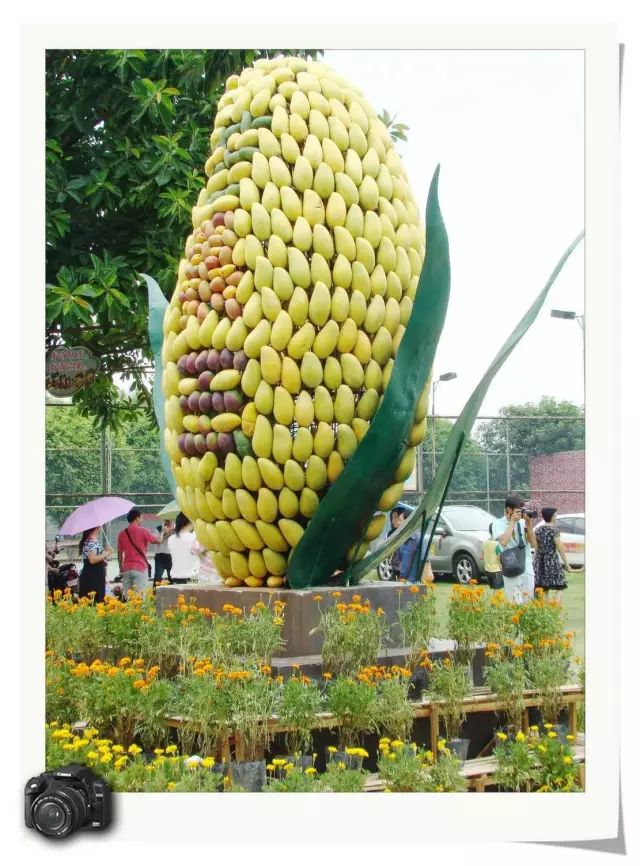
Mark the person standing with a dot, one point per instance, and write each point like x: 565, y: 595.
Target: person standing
x: 516, y: 530
x: 182, y: 546
x: 550, y: 556
x: 93, y: 577
x: 132, y: 554
x: 492, y: 562
x: 208, y: 573
x: 162, y: 558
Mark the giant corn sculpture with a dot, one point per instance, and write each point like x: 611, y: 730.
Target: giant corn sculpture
x: 294, y: 294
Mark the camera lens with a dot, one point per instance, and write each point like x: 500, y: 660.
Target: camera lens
x: 58, y: 815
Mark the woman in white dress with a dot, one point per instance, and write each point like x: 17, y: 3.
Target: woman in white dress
x: 184, y: 561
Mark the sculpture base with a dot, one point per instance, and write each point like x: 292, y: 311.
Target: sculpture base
x: 303, y: 606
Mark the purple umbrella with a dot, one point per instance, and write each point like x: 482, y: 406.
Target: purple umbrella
x: 95, y: 513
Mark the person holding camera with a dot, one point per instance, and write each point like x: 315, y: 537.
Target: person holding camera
x: 551, y: 558
x: 514, y: 533
x: 162, y: 558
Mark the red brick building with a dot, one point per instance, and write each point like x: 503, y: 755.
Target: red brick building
x: 562, y: 472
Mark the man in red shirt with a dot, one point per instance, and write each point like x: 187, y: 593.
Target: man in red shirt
x: 132, y: 554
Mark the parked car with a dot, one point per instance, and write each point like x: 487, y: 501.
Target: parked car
x: 457, y: 543
x: 571, y: 528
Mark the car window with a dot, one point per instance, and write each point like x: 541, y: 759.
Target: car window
x: 469, y: 519
x: 579, y: 526
x: 565, y: 524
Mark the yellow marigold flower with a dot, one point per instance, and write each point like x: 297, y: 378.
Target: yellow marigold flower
x: 383, y: 740
x: 548, y: 726
x: 134, y: 750
x: 61, y: 734
x: 124, y: 662
x: 397, y: 744
x: 117, y: 749
x: 542, y: 749
x: 568, y: 759
x: 311, y: 771
x: 93, y: 756
x: 331, y: 749
x: 270, y: 768
x: 139, y: 684
x: 289, y: 767
x: 170, y: 786
x: 105, y: 757
x: 317, y: 598
x: 533, y: 728
x: 520, y: 737
x: 570, y: 738
x: 158, y: 751
x: 551, y: 735
x: 120, y: 762
x: 172, y: 749
x: 280, y: 762
x: 342, y: 765
x: 208, y: 763
x: 392, y: 756
x: 501, y: 735
x: 68, y: 747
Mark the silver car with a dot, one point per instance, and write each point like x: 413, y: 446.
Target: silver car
x: 457, y: 546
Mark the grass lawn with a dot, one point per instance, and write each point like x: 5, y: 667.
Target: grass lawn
x: 572, y: 601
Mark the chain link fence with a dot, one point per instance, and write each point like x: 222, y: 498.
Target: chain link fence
x: 484, y: 475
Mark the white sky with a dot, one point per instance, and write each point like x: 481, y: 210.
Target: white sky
x: 508, y: 130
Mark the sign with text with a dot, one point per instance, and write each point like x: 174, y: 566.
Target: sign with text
x: 68, y: 369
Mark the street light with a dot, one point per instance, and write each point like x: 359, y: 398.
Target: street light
x: 446, y: 377
x: 568, y: 314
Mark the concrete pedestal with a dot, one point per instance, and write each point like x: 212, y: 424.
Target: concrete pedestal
x: 302, y: 611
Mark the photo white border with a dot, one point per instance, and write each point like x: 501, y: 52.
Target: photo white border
x: 257, y: 818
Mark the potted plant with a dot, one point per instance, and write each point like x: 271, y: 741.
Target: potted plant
x: 352, y: 634
x: 547, y: 665
x: 253, y: 702
x: 352, y: 702
x: 401, y: 766
x: 448, y: 684
x: 202, y: 701
x: 392, y: 712
x: 467, y: 623
x: 506, y: 676
x: 418, y: 626
x: 300, y: 702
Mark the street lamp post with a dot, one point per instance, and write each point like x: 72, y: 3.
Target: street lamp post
x: 446, y: 377
x: 571, y: 314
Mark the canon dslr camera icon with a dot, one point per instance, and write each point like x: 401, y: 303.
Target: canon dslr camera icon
x: 65, y: 800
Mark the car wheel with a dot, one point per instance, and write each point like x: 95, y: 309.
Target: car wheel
x: 385, y: 571
x: 465, y: 568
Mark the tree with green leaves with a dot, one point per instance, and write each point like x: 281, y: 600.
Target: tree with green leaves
x: 127, y: 135
x: 531, y: 433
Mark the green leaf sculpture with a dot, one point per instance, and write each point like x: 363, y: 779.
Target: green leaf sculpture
x: 157, y: 306
x: 348, y: 505
x: 461, y: 429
